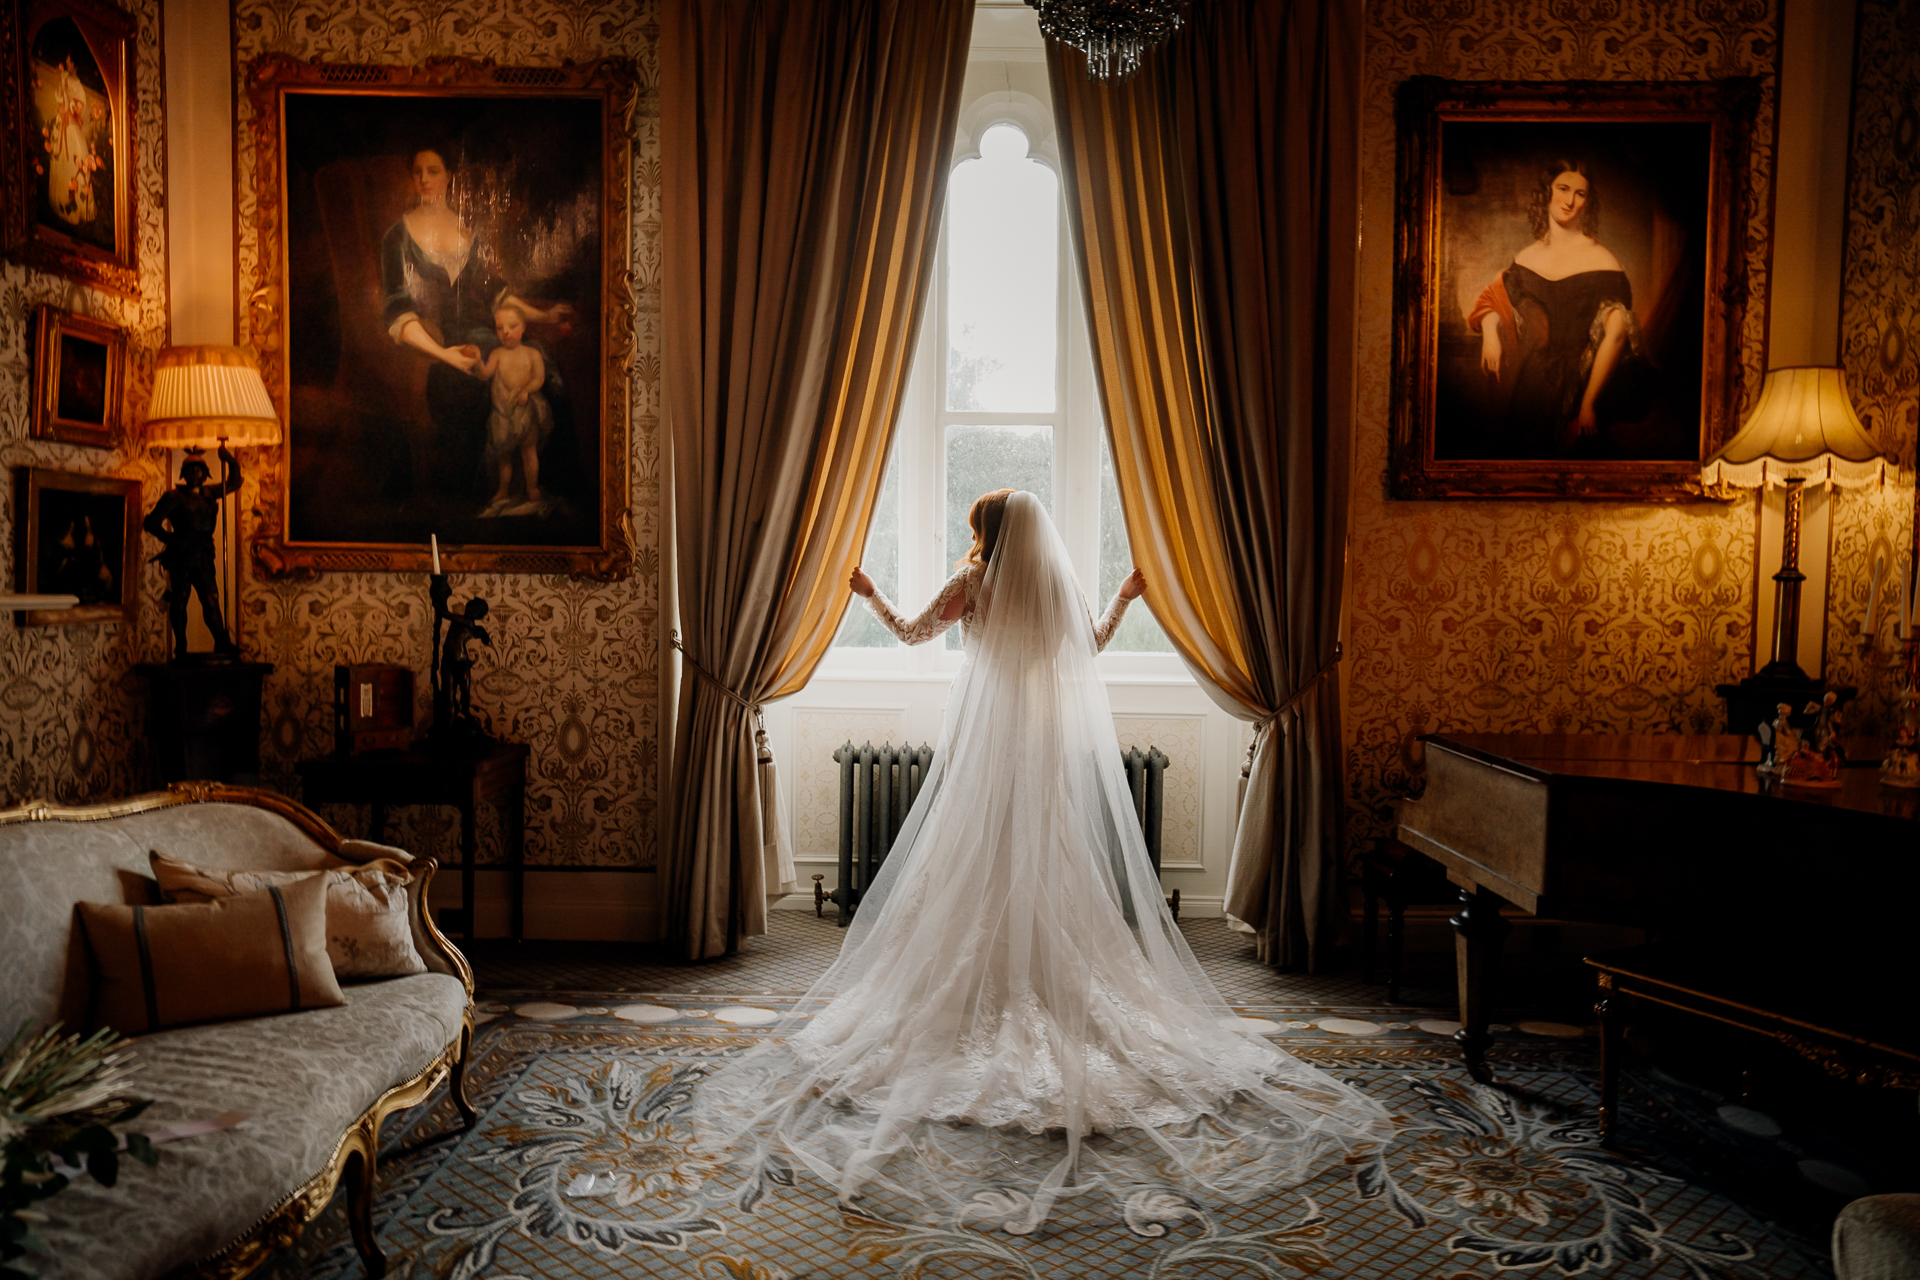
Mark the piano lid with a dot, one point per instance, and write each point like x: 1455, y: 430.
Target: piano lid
x: 1720, y: 762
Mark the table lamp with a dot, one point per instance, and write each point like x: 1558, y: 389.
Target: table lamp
x: 1803, y: 431
x: 203, y: 396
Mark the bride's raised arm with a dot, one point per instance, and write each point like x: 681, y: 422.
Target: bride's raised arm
x: 944, y: 610
x: 1129, y: 591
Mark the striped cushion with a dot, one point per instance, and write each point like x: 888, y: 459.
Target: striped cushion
x: 238, y: 957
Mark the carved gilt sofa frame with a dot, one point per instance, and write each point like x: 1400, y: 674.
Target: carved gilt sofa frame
x: 354, y: 1157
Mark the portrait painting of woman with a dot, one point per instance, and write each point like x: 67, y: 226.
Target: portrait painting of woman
x: 1561, y: 351
x: 1559, y: 246
x: 444, y: 319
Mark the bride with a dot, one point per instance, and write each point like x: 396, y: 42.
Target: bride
x: 1014, y: 1018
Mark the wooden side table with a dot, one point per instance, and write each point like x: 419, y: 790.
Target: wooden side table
x: 382, y: 779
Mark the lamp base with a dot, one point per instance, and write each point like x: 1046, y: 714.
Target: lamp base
x: 1751, y: 702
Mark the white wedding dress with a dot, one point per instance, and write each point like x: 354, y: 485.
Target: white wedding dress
x: 1014, y: 1019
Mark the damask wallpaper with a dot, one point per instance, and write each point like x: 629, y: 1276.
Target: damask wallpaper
x: 1538, y: 616
x: 1574, y: 617
x: 574, y: 670
x: 1879, y: 326
x: 71, y: 712
x: 1468, y: 615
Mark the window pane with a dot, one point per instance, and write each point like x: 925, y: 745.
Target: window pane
x: 1139, y: 631
x: 1003, y: 278
x: 860, y: 629
x: 981, y: 459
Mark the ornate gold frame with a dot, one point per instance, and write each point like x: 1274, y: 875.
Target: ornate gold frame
x: 50, y: 324
x: 355, y: 1156
x: 615, y: 82
x: 1424, y: 105
x: 29, y: 483
x: 25, y: 238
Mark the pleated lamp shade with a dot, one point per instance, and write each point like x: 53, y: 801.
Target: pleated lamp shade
x: 1804, y: 428
x: 206, y: 395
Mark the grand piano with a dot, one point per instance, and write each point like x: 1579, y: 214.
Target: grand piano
x: 1676, y: 835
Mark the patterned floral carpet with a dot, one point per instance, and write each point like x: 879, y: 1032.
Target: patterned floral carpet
x: 580, y: 1166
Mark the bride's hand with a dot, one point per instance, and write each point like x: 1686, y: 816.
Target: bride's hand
x: 1136, y: 583
x: 862, y: 585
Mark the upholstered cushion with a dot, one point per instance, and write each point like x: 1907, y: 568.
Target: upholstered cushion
x: 47, y: 866
x: 368, y: 933
x: 301, y: 1081
x: 1878, y: 1238
x: 237, y: 957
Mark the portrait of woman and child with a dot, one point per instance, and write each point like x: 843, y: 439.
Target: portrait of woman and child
x: 444, y: 277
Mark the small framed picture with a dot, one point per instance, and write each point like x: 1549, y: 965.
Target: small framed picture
x: 77, y: 535
x: 66, y: 141
x: 79, y: 377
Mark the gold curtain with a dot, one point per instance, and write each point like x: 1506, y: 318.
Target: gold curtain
x: 804, y: 152
x: 1214, y: 203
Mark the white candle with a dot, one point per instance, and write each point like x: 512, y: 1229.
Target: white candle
x: 1909, y: 587
x: 1873, y: 596
x: 436, y: 552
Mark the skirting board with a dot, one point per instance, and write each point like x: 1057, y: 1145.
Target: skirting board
x: 569, y: 906
x: 1192, y: 906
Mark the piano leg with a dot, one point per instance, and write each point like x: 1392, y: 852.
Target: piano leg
x: 1479, y: 930
x: 1607, y: 1009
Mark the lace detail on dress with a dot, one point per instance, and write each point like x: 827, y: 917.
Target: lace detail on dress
x: 1109, y: 622
x: 930, y: 623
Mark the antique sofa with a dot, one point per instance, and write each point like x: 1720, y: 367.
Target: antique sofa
x: 314, y: 1085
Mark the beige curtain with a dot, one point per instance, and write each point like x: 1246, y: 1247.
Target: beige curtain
x: 1214, y: 200
x: 804, y: 152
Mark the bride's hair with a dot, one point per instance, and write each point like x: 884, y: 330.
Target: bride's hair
x: 984, y: 519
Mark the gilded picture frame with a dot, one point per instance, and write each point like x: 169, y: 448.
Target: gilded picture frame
x: 69, y: 202
x: 77, y: 534
x: 79, y: 378
x: 1570, y: 286
x: 444, y: 314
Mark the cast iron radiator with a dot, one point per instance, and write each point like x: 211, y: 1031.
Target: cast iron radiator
x: 879, y: 784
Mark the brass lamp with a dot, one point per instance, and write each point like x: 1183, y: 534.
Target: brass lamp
x: 203, y: 396
x: 1802, y: 431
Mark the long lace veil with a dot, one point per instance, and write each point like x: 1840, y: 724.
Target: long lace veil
x: 1014, y: 1018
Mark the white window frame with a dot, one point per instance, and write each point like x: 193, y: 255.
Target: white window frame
x: 919, y: 444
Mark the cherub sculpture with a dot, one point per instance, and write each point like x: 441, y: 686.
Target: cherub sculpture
x: 455, y: 726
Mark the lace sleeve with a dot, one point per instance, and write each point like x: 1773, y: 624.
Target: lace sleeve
x: 1109, y: 622
x: 930, y: 623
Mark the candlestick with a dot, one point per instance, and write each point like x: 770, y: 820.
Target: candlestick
x: 436, y: 551
x: 1910, y: 587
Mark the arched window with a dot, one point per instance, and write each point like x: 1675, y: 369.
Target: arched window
x: 1001, y: 393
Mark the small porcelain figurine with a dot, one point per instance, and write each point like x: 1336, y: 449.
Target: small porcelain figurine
x: 1817, y: 762
x: 1778, y: 741
x: 1901, y: 768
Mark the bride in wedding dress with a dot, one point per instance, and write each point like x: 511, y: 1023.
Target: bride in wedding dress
x: 1015, y: 1027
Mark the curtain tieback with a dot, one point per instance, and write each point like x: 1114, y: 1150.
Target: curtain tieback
x: 1266, y: 721
x: 751, y: 708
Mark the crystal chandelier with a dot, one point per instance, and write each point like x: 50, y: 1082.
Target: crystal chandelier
x: 1114, y: 34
